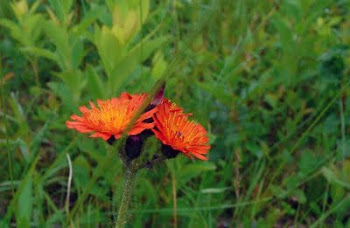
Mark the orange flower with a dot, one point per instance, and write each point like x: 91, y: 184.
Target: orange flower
x: 112, y: 116
x: 175, y: 130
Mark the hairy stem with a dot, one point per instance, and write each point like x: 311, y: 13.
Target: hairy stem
x: 130, y: 174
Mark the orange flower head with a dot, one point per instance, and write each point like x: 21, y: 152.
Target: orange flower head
x: 174, y: 129
x: 112, y: 117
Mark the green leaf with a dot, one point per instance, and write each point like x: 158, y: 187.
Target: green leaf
x: 61, y: 9
x: 74, y: 81
x: 90, y: 17
x: 60, y: 38
x: 332, y: 177
x: 39, y: 136
x: 40, y: 52
x: 81, y: 172
x: 285, y: 33
x: 159, y: 66
x: 214, y: 190
x: 64, y: 93
x: 337, y: 193
x: 14, y: 28
x: 308, y: 162
x: 143, y: 49
x: 19, y: 115
x: 193, y: 170
x: 95, y: 83
x: 292, y: 9
x: 4, y: 143
x: 109, y: 49
x: 128, y: 64
x: 32, y: 28
x: 278, y: 191
x: 25, y: 204
x: 77, y: 53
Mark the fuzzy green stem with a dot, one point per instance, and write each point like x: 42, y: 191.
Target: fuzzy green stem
x: 130, y: 174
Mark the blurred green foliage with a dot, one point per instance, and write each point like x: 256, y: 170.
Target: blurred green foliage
x: 268, y: 79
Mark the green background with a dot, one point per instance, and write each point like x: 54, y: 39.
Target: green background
x: 268, y: 79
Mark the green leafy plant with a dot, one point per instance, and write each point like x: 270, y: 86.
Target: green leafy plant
x: 268, y: 79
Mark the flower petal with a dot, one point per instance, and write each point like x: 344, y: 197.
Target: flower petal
x: 173, y: 128
x: 111, y: 117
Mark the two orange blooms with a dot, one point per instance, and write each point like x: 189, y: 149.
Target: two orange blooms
x: 111, y: 118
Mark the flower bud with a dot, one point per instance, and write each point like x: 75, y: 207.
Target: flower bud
x: 111, y: 140
x: 168, y: 151
x: 133, y: 146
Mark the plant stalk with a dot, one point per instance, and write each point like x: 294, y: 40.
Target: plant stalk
x: 130, y: 174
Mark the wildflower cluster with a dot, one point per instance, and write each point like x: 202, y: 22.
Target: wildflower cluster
x: 163, y: 118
